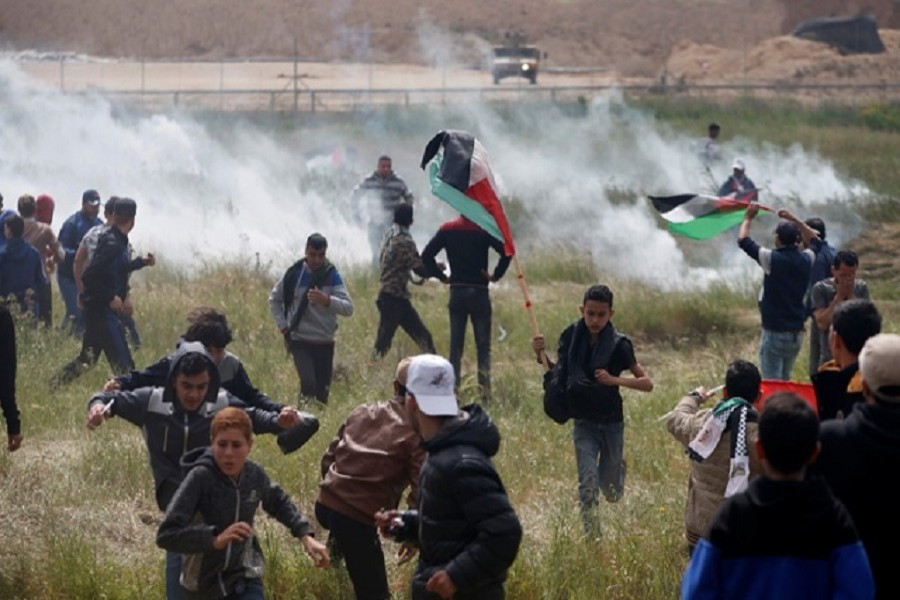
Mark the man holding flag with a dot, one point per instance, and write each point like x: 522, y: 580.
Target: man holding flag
x: 461, y: 176
x: 781, y: 307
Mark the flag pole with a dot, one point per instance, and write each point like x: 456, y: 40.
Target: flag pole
x: 520, y: 277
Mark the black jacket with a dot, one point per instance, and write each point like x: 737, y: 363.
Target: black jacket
x: 466, y: 246
x: 106, y: 276
x: 169, y: 430
x: 860, y: 460
x: 207, y: 502
x: 233, y: 378
x: 466, y: 524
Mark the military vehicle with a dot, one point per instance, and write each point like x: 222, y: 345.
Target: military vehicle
x: 516, y: 61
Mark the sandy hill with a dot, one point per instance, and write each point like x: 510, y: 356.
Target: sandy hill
x: 631, y: 37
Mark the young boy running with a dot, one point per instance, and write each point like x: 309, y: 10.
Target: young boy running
x: 224, y: 489
x: 586, y: 379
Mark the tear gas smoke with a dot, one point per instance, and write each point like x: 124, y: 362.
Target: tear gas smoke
x: 224, y: 190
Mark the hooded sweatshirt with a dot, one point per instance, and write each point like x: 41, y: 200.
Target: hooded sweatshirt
x: 466, y: 524
x: 206, y: 503
x: 169, y: 430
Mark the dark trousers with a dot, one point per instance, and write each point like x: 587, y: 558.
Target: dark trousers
x: 103, y: 332
x: 358, y: 543
x: 399, y: 312
x: 45, y: 304
x: 471, y: 302
x: 315, y: 367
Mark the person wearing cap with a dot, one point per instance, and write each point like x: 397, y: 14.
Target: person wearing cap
x: 786, y: 271
x: 70, y: 234
x: 467, y: 532
x: 41, y: 236
x: 8, y: 380
x: 860, y: 459
x: 738, y: 184
x: 838, y: 383
x: 21, y: 267
x: 105, y: 290
x: 375, y: 455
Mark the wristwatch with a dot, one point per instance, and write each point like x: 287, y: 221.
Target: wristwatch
x: 695, y: 394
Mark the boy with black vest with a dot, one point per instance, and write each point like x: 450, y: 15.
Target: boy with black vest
x: 586, y: 380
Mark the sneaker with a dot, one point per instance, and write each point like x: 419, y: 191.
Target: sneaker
x: 293, y: 438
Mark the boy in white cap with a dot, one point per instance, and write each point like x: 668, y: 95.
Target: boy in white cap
x: 861, y: 456
x: 467, y: 532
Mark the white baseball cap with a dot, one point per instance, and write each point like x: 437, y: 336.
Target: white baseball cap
x: 739, y: 164
x: 878, y: 363
x: 430, y: 380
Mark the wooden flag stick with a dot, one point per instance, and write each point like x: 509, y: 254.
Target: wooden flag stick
x: 520, y: 277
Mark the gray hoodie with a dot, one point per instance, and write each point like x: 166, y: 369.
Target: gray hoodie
x: 206, y: 503
x: 169, y: 430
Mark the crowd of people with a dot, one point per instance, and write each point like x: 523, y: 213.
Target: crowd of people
x: 785, y: 499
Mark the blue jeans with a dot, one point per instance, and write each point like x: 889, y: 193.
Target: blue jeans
x: 248, y: 589
x: 74, y: 317
x: 777, y: 352
x: 598, y: 456
x: 469, y: 301
x: 174, y: 591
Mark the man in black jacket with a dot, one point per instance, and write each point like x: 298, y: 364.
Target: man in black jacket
x: 467, y: 532
x: 105, y: 290
x: 466, y: 245
x: 861, y: 456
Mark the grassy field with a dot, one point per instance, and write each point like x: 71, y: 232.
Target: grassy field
x: 77, y: 515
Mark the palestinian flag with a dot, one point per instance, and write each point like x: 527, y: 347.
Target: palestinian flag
x: 460, y: 175
x: 702, y: 217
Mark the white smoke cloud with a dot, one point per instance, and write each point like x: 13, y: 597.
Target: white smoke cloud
x: 213, y: 191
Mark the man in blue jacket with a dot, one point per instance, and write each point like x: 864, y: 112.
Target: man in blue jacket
x: 21, y: 268
x: 70, y: 236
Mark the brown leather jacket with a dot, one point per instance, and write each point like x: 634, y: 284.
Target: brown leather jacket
x: 375, y: 455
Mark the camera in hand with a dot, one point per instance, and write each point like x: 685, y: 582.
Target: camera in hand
x: 401, y: 527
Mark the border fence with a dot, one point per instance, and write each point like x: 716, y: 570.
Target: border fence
x: 218, y: 86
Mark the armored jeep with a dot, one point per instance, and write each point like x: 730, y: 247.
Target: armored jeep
x: 516, y: 61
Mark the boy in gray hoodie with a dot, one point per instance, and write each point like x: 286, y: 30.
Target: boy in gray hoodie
x: 223, y: 557
x: 176, y: 419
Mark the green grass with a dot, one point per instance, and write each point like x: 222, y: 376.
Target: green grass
x: 78, y: 517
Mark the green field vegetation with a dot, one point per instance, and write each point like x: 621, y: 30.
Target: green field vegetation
x: 77, y: 514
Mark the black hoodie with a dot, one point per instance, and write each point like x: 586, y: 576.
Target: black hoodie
x: 169, y: 430
x: 860, y: 460
x: 466, y: 524
x: 206, y: 503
